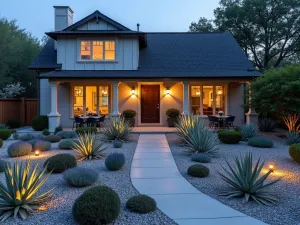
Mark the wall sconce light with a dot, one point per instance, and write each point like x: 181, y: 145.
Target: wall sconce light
x: 37, y: 153
x: 272, y: 167
x: 132, y: 91
x: 168, y: 91
x: 220, y: 91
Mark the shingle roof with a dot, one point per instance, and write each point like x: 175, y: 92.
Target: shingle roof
x: 47, y: 58
x: 182, y: 55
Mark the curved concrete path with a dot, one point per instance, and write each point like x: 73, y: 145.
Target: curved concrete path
x: 154, y: 172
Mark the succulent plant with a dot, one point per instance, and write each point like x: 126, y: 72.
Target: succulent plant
x: 117, y: 129
x: 19, y: 148
x: 60, y: 162
x: 266, y: 124
x: 115, y: 161
x: 26, y: 137
x: 248, y: 131
x: 201, y: 158
x: 117, y: 144
x: 292, y: 138
x: 67, y: 143
x: 260, y: 142
x: 42, y: 145
x: 80, y: 177
x: 67, y: 134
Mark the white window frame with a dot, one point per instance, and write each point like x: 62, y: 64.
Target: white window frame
x: 84, y: 98
x: 91, y: 51
x: 214, y: 98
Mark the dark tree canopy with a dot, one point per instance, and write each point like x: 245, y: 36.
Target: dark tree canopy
x: 17, y: 51
x: 267, y: 30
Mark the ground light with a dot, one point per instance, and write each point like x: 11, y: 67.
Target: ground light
x: 37, y: 153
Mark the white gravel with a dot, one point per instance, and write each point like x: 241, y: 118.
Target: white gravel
x: 288, y: 189
x: 60, y: 206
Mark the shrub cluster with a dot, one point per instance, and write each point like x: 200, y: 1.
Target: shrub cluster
x: 129, y: 113
x: 201, y: 158
x: 41, y: 145
x: 294, y: 152
x: 19, y: 148
x: 80, y: 177
x: 85, y: 130
x: 13, y: 123
x: 229, y: 137
x: 40, y: 123
x: 97, y: 205
x: 260, y: 142
x: 52, y: 138
x: 198, y: 170
x: 115, y: 161
x: 5, y: 134
x: 172, y: 113
x: 141, y: 204
x: 60, y: 162
x: 66, y: 134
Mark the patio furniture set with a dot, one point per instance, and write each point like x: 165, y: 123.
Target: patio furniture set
x: 221, y: 122
x: 88, y: 121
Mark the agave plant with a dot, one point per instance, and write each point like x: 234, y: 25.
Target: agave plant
x: 292, y: 138
x: 266, y: 124
x: 245, y: 181
x: 88, y: 147
x: 21, y: 193
x: 201, y: 141
x: 248, y: 131
x: 117, y: 129
x: 187, y: 123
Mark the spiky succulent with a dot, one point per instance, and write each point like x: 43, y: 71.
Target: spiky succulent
x: 117, y: 129
x: 89, y: 147
x: 266, y: 124
x: 187, y: 123
x: 201, y: 141
x: 21, y: 193
x: 292, y: 138
x: 248, y: 131
x: 246, y: 181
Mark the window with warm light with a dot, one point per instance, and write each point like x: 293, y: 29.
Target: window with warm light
x: 207, y: 99
x: 92, y: 100
x: 97, y: 50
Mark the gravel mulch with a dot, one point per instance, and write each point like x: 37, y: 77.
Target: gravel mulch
x: 288, y: 189
x: 60, y: 205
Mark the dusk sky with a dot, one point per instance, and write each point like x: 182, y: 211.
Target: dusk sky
x: 37, y: 16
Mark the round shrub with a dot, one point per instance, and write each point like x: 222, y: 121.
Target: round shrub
x: 40, y: 123
x: 19, y: 148
x: 52, y: 138
x: 141, y: 204
x: 294, y: 151
x: 33, y: 141
x: 46, y: 132
x: 26, y: 137
x: 229, y: 136
x: 42, y: 145
x: 260, y: 142
x: 201, y: 158
x: 117, y: 144
x: 66, y: 144
x: 115, y: 161
x: 80, y: 177
x: 3, y: 165
x: 12, y: 123
x: 66, y: 134
x: 97, y: 205
x: 5, y: 134
x: 198, y: 170
x: 1, y: 142
x: 58, y: 129
x: 60, y: 162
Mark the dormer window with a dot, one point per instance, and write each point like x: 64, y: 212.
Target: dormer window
x: 97, y: 50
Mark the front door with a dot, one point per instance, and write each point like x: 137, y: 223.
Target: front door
x: 150, y: 108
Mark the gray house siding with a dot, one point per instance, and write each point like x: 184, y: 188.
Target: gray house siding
x: 127, y: 53
x: 93, y: 25
x: 44, y: 101
x: 235, y: 102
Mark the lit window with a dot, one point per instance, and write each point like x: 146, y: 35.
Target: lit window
x: 78, y: 101
x: 207, y: 100
x: 110, y: 50
x: 98, y: 50
x: 85, y: 50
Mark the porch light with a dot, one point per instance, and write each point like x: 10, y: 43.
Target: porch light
x: 78, y: 91
x: 272, y: 167
x: 37, y: 153
x: 220, y: 91
x: 132, y: 91
x: 168, y: 91
x: 104, y: 92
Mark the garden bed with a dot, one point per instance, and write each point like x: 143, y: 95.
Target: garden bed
x: 288, y: 191
x: 60, y: 205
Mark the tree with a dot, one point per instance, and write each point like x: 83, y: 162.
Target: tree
x: 12, y: 90
x: 203, y: 25
x: 267, y: 30
x: 18, y: 49
x: 277, y: 92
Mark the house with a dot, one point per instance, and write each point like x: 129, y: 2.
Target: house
x: 98, y: 65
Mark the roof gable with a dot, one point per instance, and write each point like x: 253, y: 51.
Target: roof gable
x: 97, y: 21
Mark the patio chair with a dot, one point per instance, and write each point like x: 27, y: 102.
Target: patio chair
x: 99, y: 121
x: 78, y: 122
x: 91, y: 122
x: 214, y: 122
x: 229, y: 122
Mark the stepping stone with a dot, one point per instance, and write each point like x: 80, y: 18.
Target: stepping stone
x: 158, y: 162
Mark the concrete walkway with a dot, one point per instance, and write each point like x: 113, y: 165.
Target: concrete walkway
x: 154, y: 173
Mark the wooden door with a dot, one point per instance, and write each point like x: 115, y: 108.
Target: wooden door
x: 150, y: 103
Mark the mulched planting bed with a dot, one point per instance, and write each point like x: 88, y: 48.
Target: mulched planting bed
x: 288, y: 189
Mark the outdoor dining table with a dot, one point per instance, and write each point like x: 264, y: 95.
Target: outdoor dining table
x: 86, y: 117
x: 221, y: 120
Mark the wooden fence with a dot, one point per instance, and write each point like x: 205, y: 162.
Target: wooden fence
x: 19, y: 109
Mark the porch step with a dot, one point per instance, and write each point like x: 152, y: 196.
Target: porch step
x: 153, y: 130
